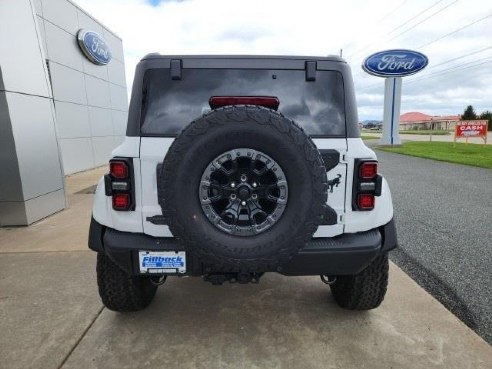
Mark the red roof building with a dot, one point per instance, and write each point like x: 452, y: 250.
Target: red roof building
x: 417, y: 121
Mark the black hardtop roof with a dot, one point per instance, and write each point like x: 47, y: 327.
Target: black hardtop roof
x: 331, y: 58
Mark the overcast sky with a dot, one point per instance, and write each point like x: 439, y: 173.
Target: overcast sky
x: 321, y: 28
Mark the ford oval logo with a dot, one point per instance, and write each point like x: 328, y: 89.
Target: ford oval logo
x: 395, y: 63
x: 94, y: 47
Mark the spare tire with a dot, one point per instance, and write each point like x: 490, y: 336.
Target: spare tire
x: 243, y: 188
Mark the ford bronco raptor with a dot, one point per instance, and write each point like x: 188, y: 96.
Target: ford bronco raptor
x: 234, y: 166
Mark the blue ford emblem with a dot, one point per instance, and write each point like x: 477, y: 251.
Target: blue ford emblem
x: 94, y: 47
x: 395, y: 63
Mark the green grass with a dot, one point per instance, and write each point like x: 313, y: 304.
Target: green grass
x: 424, y: 132
x: 477, y: 155
x: 366, y: 137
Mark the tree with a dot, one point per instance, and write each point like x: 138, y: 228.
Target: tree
x: 487, y: 115
x: 469, y: 113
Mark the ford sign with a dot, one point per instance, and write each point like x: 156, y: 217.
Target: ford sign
x: 94, y: 47
x: 395, y: 63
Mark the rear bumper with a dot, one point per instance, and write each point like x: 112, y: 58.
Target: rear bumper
x: 346, y: 254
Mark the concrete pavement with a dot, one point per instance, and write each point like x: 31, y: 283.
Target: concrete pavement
x: 51, y: 315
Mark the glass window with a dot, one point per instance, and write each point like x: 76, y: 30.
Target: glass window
x: 170, y: 105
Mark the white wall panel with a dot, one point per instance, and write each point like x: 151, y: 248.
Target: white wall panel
x: 77, y: 154
x: 101, y: 123
x: 42, y: 206
x: 119, y: 119
x: 119, y: 99
x: 68, y: 84
x: 89, y: 112
x: 13, y: 213
x: 102, y: 149
x: 62, y: 13
x: 114, y: 44
x: 99, y: 71
x: 118, y: 140
x: 87, y: 22
x: 62, y: 47
x: 72, y: 120
x: 35, y: 141
x: 23, y: 68
x: 42, y: 35
x: 116, y: 73
x: 10, y: 179
x: 38, y: 7
x: 97, y: 92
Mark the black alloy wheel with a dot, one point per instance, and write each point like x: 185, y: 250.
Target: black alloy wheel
x: 243, y: 192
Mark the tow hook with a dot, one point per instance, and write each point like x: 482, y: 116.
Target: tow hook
x: 158, y: 280
x: 327, y: 279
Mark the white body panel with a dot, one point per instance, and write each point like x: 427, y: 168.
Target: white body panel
x: 336, y: 199
x: 148, y: 152
x: 152, y: 152
x: 103, y: 213
x: 129, y: 148
x: 359, y: 221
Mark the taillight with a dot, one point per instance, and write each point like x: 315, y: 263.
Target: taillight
x: 270, y: 102
x: 365, y: 201
x: 118, y: 169
x: 119, y: 184
x: 121, y: 201
x: 368, y: 170
x: 367, y: 185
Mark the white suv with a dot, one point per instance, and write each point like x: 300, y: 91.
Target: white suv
x: 234, y: 166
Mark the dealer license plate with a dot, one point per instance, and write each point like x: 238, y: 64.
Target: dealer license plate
x: 162, y: 262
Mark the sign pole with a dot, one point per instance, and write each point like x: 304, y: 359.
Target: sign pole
x: 391, y: 114
x: 486, y: 132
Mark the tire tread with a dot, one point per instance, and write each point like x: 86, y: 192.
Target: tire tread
x: 120, y: 291
x: 365, y: 290
x: 261, y: 116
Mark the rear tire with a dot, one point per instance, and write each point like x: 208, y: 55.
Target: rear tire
x: 365, y: 290
x: 120, y: 291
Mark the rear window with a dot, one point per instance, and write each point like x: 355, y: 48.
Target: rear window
x: 170, y: 105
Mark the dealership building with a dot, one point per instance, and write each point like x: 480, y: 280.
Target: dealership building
x: 420, y: 121
x: 63, y: 103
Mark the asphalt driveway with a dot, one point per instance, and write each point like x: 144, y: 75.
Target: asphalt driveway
x: 444, y: 221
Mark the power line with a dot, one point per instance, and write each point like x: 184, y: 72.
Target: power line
x: 460, y: 57
x: 454, y: 67
x: 415, y: 16
x: 455, y: 31
x: 414, y: 26
x: 423, y: 20
x: 444, y: 36
x: 394, y: 10
x: 449, y: 71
